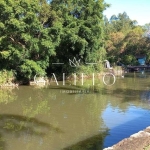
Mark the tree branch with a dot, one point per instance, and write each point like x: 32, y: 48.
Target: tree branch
x: 12, y: 39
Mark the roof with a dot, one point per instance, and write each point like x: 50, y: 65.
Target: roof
x: 140, y: 56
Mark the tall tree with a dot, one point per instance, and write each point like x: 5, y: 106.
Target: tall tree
x: 27, y: 37
x: 123, y: 37
x: 83, y: 31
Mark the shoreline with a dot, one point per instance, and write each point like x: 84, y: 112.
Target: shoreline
x: 137, y: 141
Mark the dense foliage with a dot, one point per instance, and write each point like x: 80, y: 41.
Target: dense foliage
x: 26, y: 43
x: 83, y: 31
x: 125, y: 40
x: 36, y: 34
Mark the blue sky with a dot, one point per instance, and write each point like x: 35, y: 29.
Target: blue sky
x: 136, y: 9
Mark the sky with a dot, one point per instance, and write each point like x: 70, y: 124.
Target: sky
x: 138, y: 10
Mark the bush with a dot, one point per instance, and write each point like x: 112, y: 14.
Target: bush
x: 6, y: 76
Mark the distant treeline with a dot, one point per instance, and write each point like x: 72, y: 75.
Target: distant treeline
x: 125, y: 39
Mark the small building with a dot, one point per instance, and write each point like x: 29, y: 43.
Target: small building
x: 141, y: 59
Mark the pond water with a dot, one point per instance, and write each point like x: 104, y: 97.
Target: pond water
x: 74, y: 117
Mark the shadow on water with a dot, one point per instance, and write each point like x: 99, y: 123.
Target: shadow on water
x: 18, y: 126
x: 92, y: 143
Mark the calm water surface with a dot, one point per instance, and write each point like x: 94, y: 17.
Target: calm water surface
x: 61, y: 118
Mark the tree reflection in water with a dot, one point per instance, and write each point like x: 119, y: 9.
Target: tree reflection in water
x: 7, y: 95
x: 145, y: 97
x: 92, y: 143
x: 21, y: 125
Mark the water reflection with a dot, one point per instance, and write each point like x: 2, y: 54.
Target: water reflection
x: 145, y: 96
x: 7, y: 95
x: 21, y: 126
x: 127, y: 107
x: 66, y: 119
x: 45, y: 118
x: 92, y: 143
x: 123, y: 124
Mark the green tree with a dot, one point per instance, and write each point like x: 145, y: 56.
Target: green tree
x: 28, y: 36
x: 115, y: 45
x: 124, y: 39
x: 83, y: 31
